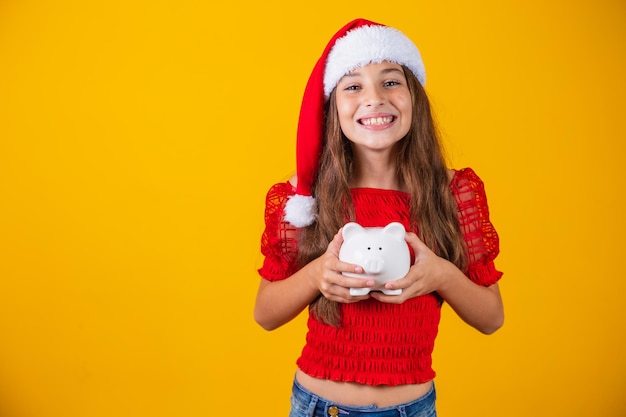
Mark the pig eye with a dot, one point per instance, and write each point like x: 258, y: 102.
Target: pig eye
x: 380, y: 248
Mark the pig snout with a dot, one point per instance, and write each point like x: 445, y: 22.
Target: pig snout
x: 374, y: 265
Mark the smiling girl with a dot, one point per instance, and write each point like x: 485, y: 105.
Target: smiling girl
x: 368, y: 151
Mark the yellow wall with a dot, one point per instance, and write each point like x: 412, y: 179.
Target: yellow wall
x: 138, y: 139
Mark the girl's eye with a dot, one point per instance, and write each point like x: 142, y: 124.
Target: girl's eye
x: 391, y: 83
x: 352, y: 88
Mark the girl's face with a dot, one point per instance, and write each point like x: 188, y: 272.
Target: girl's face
x: 374, y: 106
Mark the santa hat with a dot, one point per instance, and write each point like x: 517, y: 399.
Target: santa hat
x: 357, y: 44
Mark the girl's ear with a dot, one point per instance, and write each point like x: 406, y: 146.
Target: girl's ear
x: 351, y: 229
x: 396, y: 230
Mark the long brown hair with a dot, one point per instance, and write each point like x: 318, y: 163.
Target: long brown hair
x: 421, y: 169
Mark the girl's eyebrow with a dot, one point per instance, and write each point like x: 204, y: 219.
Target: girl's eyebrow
x: 355, y: 73
x: 388, y: 70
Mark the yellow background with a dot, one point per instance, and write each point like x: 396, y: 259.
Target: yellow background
x: 138, y: 139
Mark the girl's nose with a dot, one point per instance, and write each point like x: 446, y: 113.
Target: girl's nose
x: 375, y: 97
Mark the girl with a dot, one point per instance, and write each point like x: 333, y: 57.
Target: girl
x: 367, y: 151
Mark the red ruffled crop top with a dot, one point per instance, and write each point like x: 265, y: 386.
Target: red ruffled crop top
x: 381, y: 343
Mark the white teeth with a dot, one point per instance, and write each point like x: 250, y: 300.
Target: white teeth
x: 377, y: 121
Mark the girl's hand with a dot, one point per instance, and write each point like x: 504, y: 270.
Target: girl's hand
x: 330, y: 281
x: 428, y: 273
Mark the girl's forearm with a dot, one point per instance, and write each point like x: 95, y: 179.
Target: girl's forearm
x: 480, y: 307
x: 279, y: 302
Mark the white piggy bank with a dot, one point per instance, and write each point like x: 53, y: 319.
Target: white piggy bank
x: 381, y: 251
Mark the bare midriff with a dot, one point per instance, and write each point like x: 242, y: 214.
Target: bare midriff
x: 354, y: 394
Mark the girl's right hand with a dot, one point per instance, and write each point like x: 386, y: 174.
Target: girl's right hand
x: 330, y: 281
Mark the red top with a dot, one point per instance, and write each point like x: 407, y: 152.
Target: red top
x: 381, y: 343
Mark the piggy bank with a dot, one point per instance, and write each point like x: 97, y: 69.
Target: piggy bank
x: 381, y: 251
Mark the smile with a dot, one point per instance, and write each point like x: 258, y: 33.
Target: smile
x: 377, y: 121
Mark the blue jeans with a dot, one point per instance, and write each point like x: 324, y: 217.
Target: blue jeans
x: 306, y: 404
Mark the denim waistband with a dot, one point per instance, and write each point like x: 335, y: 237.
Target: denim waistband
x: 305, y: 403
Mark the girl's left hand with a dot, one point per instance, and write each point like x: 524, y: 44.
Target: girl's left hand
x: 428, y: 273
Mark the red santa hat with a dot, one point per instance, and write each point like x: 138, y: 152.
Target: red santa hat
x: 357, y: 44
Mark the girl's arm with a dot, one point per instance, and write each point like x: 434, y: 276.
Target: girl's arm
x: 278, y: 302
x: 481, y: 307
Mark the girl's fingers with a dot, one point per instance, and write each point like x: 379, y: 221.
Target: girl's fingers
x: 334, y: 284
x: 341, y: 266
x: 335, y: 244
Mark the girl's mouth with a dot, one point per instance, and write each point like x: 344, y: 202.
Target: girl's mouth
x: 376, y: 121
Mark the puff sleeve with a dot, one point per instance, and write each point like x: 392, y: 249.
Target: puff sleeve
x: 279, y: 239
x: 481, y: 238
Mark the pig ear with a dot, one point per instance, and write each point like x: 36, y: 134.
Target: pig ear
x: 396, y: 230
x: 351, y: 229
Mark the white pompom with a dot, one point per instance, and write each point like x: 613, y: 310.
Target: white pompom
x: 300, y: 210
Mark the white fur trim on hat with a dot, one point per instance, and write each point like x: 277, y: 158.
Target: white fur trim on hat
x: 371, y: 44
x: 300, y: 210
